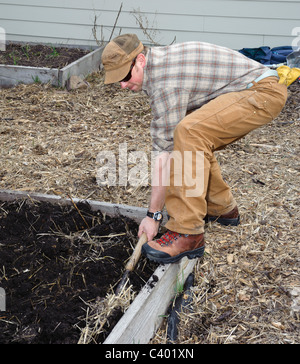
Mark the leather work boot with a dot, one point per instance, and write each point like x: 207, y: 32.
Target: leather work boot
x: 231, y: 218
x: 172, y: 246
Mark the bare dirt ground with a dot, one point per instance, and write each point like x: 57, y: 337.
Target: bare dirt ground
x: 246, y: 286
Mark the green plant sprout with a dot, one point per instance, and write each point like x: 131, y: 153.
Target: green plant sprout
x: 25, y: 50
x: 36, y: 80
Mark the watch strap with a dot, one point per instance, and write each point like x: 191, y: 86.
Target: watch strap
x: 157, y: 216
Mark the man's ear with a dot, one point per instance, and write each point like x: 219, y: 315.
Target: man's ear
x: 141, y: 59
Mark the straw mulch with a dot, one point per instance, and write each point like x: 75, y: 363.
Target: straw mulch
x: 247, y: 286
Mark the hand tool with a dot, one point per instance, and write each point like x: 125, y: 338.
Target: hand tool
x: 132, y: 262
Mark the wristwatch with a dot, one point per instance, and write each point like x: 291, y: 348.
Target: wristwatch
x: 157, y: 216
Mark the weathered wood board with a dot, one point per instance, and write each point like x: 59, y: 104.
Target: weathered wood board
x: 134, y: 213
x: 14, y: 75
x: 82, y: 67
x: 145, y: 315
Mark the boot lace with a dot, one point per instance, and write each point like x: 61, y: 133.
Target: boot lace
x: 168, y: 238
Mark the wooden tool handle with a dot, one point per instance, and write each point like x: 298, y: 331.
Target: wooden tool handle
x: 137, y: 253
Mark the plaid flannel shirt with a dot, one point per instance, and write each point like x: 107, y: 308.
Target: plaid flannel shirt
x: 183, y: 77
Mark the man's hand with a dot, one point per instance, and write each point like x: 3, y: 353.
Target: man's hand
x: 149, y: 227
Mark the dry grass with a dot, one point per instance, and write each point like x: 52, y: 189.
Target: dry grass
x: 246, y: 287
x: 50, y: 138
x: 98, y: 313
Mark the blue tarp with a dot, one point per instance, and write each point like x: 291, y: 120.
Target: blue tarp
x: 266, y: 55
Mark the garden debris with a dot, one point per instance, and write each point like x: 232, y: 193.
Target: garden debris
x: 75, y: 83
x: 181, y: 303
x: 295, y: 293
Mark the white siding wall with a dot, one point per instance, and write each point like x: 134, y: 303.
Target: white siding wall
x: 232, y: 23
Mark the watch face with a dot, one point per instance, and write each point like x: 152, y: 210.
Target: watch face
x: 158, y: 216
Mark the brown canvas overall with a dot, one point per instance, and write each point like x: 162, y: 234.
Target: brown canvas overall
x: 218, y: 123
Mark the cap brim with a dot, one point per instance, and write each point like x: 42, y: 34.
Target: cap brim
x: 117, y: 75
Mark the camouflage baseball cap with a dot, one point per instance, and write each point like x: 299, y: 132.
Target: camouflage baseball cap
x: 118, y: 55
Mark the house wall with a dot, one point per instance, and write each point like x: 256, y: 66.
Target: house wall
x: 232, y: 23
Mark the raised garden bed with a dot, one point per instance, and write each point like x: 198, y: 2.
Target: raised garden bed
x: 59, y: 262
x: 29, y: 63
x: 55, y: 261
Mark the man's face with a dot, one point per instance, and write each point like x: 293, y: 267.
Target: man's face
x: 137, y: 75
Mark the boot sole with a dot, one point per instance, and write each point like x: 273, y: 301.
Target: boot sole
x: 163, y: 258
x: 223, y: 221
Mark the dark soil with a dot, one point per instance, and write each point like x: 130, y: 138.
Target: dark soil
x: 40, y: 55
x: 51, y: 263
